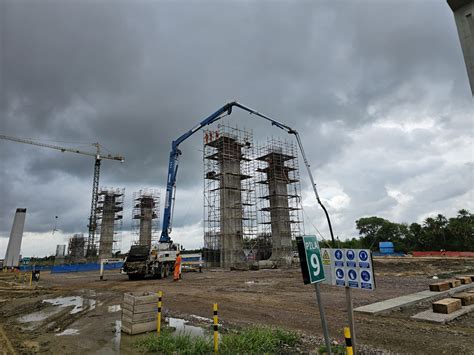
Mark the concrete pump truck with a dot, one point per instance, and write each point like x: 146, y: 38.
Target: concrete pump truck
x: 158, y: 260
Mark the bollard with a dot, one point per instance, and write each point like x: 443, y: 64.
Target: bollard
x: 216, y: 328
x: 158, y: 316
x: 347, y: 335
x: 31, y: 278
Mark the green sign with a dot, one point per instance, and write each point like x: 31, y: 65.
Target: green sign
x: 313, y: 259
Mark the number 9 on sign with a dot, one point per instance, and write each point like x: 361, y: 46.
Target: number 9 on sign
x: 315, y: 264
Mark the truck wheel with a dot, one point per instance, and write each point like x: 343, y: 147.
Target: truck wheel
x: 160, y: 272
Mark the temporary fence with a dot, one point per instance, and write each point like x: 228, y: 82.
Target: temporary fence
x: 84, y: 267
x: 25, y: 268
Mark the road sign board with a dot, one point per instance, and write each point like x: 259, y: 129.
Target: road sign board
x: 310, y: 259
x: 349, y: 267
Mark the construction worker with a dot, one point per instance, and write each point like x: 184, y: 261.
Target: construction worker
x: 177, y: 267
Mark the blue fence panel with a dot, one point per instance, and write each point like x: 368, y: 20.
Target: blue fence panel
x: 36, y: 267
x: 84, y: 267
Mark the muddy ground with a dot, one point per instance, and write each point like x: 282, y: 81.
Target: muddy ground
x: 76, y: 313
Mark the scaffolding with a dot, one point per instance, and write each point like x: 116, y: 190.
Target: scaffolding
x: 145, y: 216
x: 279, y: 199
x: 109, y: 220
x: 230, y: 215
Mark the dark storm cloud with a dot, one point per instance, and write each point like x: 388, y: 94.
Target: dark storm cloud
x: 136, y: 75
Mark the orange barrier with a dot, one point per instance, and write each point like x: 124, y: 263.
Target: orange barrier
x: 466, y: 254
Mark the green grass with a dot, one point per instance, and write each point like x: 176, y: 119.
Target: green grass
x: 166, y: 343
x: 255, y: 340
x: 258, y: 340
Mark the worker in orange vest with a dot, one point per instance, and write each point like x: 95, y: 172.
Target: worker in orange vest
x: 177, y: 267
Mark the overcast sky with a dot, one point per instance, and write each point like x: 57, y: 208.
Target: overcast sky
x: 378, y: 90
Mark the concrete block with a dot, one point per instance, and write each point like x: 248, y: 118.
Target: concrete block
x: 136, y: 298
x: 430, y: 316
x: 464, y: 279
x: 385, y: 307
x: 138, y: 328
x: 141, y: 308
x: 466, y: 298
x: 129, y: 316
x: 446, y: 305
x: 439, y: 286
x: 454, y: 283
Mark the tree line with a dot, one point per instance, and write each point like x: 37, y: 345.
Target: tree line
x: 434, y: 234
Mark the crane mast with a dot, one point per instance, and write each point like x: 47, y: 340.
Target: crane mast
x: 95, y: 181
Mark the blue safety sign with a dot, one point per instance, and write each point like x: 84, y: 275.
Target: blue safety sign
x: 349, y: 267
x: 366, y: 280
x: 340, y: 277
x: 350, y: 258
x: 352, y: 282
x: 363, y: 256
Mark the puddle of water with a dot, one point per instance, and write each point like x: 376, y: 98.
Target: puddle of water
x: 78, y: 302
x: 184, y: 329
x: 69, y: 331
x: 114, y: 308
x: 38, y: 316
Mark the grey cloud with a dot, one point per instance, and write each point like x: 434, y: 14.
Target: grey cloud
x: 136, y: 75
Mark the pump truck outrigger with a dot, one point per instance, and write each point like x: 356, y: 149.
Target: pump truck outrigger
x: 158, y: 260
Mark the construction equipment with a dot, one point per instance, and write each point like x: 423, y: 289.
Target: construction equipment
x: 150, y: 261
x: 95, y: 182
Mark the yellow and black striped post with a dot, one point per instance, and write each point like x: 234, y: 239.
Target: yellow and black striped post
x: 158, y: 316
x: 216, y: 330
x: 347, y: 335
x: 31, y: 278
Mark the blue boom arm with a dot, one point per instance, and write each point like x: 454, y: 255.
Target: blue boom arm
x: 175, y: 153
x: 173, y: 169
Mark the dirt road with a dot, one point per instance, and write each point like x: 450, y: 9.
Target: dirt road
x: 77, y: 313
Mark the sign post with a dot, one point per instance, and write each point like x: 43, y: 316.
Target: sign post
x: 350, y: 314
x: 349, y: 268
x: 313, y: 273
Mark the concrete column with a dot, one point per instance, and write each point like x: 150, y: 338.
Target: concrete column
x: 146, y: 219
x: 277, y: 179
x: 463, y: 11
x: 76, y: 248
x: 107, y: 226
x: 231, y: 238
x: 279, y: 211
x: 12, y: 256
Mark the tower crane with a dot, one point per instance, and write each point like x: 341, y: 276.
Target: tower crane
x: 95, y: 182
